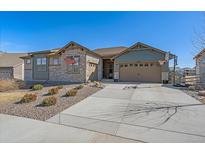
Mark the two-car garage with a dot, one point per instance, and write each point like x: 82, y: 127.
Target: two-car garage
x: 138, y: 63
x: 142, y: 63
x: 140, y: 72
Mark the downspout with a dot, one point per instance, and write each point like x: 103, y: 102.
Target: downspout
x: 175, y: 63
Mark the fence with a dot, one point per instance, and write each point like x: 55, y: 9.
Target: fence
x: 191, y: 80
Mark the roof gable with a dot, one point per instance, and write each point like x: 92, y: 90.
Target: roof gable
x: 72, y: 44
x: 140, y: 45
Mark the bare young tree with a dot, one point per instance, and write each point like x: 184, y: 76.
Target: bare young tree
x: 199, y: 39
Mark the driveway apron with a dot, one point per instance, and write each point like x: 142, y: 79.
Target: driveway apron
x: 146, y: 112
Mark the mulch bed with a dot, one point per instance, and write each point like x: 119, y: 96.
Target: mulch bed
x: 35, y: 111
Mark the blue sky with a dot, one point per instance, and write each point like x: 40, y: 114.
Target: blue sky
x: 169, y: 31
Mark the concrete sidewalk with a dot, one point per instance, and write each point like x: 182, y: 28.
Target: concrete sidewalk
x: 17, y: 129
x: 150, y: 113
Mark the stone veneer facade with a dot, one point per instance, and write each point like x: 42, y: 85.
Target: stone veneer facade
x: 60, y: 73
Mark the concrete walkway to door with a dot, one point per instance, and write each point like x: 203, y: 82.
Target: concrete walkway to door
x: 146, y: 112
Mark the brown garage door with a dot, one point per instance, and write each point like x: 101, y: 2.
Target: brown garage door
x: 140, y: 72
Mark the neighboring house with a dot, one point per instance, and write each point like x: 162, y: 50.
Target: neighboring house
x: 182, y: 74
x: 76, y: 63
x: 189, y: 71
x: 11, y: 66
x: 178, y: 74
x: 200, y: 65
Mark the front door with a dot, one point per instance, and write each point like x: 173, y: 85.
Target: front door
x: 40, y: 68
x: 108, y: 69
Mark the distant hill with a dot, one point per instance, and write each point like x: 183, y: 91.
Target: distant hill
x: 1, y: 52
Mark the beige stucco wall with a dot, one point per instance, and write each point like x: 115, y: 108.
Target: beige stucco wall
x: 60, y: 73
x: 89, y: 70
x: 18, y: 72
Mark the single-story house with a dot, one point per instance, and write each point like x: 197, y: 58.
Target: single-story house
x: 200, y: 65
x: 189, y: 71
x: 11, y: 66
x: 76, y: 63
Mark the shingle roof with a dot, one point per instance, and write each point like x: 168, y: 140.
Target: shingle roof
x: 10, y: 59
x: 109, y: 52
x: 56, y: 51
x: 45, y: 51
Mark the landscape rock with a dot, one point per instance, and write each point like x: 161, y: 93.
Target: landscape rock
x: 201, y: 93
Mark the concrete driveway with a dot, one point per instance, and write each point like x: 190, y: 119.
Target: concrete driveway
x: 145, y: 112
x: 15, y: 129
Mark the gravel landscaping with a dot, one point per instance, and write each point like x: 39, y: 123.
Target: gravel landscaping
x: 36, y: 111
x: 194, y: 94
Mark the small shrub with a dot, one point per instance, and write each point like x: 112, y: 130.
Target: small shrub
x: 60, y: 87
x: 192, y: 88
x: 53, y: 91
x: 199, y: 87
x: 37, y: 87
x: 27, y: 98
x: 79, y: 87
x: 71, y: 92
x: 98, y: 84
x: 49, y: 101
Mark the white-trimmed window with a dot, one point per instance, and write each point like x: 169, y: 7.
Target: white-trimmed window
x: 28, y: 61
x: 73, y: 64
x: 41, y: 61
x: 54, y: 60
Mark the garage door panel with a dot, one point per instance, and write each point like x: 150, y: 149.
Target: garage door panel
x: 140, y: 72
x: 6, y: 73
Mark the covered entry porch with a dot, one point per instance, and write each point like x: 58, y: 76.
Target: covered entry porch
x: 108, y: 69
